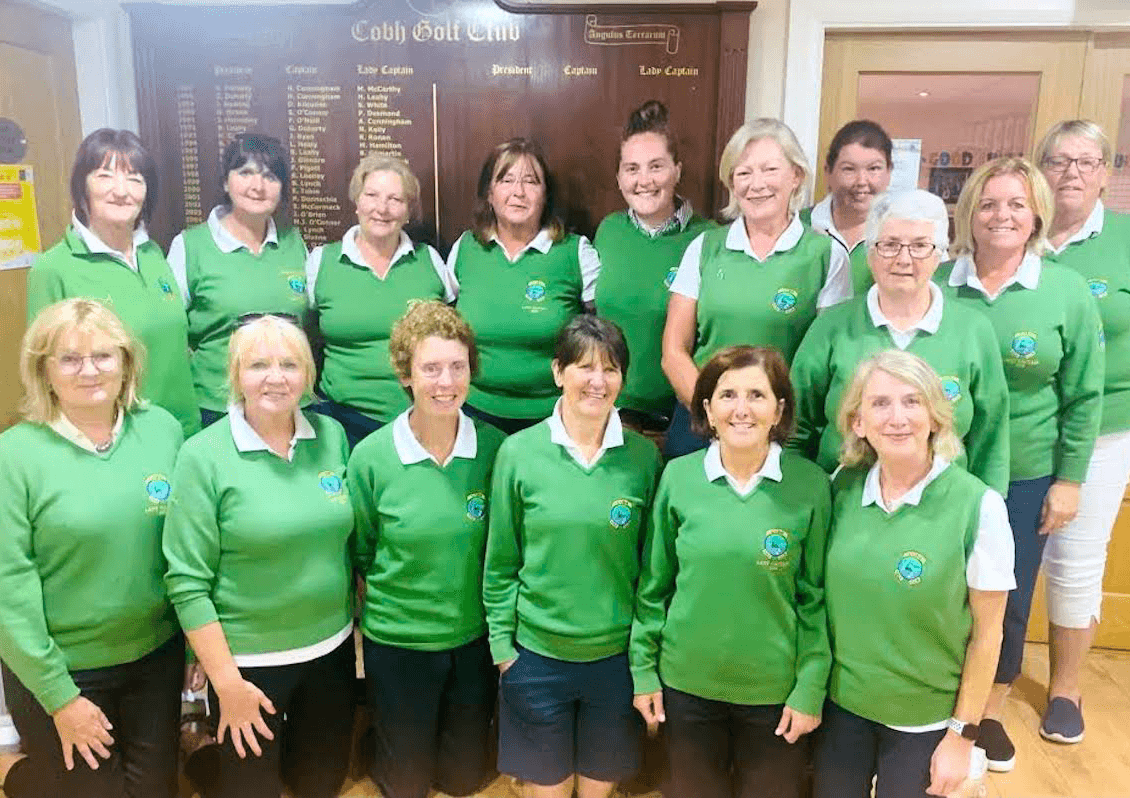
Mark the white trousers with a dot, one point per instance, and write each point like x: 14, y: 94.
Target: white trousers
x: 8, y: 737
x: 1075, y: 556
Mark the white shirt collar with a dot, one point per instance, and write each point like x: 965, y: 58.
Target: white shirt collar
x: 247, y: 439
x: 738, y: 239
x: 1092, y: 227
x: 821, y: 217
x: 770, y: 469
x: 66, y: 428
x: 1027, y: 274
x: 542, y: 242
x: 410, y: 450
x: 678, y: 221
x: 97, y: 245
x: 351, y: 249
x: 225, y: 241
x: 873, y: 494
x: 929, y: 322
x: 613, y: 436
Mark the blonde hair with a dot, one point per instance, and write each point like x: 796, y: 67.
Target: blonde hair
x: 756, y: 130
x: 423, y: 320
x: 376, y: 162
x: 1073, y: 127
x: 268, y: 329
x: 918, y: 374
x: 1039, y: 196
x: 84, y: 316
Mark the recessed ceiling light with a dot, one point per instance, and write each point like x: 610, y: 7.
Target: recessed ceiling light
x: 923, y: 94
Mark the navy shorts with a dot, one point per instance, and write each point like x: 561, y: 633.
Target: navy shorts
x: 557, y: 718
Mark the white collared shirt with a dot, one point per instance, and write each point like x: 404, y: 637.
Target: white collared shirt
x: 586, y: 255
x: 410, y: 450
x: 351, y: 250
x: 770, y: 469
x: 97, y: 245
x: 1092, y: 227
x: 1027, y: 275
x: 688, y: 278
x: 677, y: 221
x: 66, y: 429
x: 248, y: 440
x: 929, y: 323
x: 613, y: 436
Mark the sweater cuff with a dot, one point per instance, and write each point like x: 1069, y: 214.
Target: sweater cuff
x: 502, y: 649
x: 645, y: 681
x: 196, y: 612
x: 809, y: 700
x: 1073, y: 469
x: 54, y: 697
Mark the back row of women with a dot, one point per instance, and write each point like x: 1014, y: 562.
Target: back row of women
x: 258, y: 570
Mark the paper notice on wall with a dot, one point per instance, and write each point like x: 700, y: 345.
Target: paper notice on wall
x: 907, y: 157
x: 19, y: 224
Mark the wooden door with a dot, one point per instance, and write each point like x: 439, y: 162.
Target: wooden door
x: 38, y: 91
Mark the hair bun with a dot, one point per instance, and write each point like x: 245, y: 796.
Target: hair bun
x: 650, y: 116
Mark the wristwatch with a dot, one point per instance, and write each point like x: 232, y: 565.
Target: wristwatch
x: 967, y: 730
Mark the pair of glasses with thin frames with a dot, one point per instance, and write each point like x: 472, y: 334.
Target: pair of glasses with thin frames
x: 919, y: 250
x: 71, y: 363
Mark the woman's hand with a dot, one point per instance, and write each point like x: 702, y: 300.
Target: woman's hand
x: 793, y: 724
x: 85, y: 727
x: 240, y: 702
x: 650, y: 705
x: 503, y: 667
x: 1060, y: 506
x: 949, y: 766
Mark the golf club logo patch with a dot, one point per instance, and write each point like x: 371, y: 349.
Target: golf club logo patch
x: 951, y: 387
x: 670, y: 277
x: 163, y: 284
x: 775, y: 548
x: 476, y: 505
x: 297, y: 284
x: 1022, y: 350
x: 158, y: 489
x: 910, y: 568
x: 535, y: 290
x: 332, y: 485
x: 1098, y: 287
x: 785, y: 300
x: 621, y: 514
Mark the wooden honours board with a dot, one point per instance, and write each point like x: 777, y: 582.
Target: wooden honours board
x: 437, y: 82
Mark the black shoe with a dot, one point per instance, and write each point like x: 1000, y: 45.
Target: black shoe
x: 1063, y: 721
x: 999, y: 750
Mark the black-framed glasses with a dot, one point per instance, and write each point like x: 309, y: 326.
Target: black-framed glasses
x: 919, y: 250
x: 244, y: 319
x: 1087, y: 165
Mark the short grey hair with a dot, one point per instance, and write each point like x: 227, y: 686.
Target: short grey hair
x: 1084, y: 128
x: 756, y: 130
x: 913, y: 205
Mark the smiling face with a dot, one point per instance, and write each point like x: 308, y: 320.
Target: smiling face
x: 272, y: 378
x: 440, y: 376
x: 517, y: 196
x: 85, y: 371
x: 253, y: 190
x: 894, y: 419
x: 589, y: 386
x: 382, y: 205
x: 1076, y: 193
x: 764, y: 181
x: 114, y: 194
x: 1003, y: 218
x: 647, y: 177
x: 857, y: 177
x: 903, y: 276
x: 743, y: 408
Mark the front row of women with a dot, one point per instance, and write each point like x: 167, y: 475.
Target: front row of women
x: 740, y: 599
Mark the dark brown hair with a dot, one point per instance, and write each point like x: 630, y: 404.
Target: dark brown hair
x: 768, y: 360
x: 266, y: 152
x: 651, y: 117
x: 586, y: 333
x: 863, y: 132
x: 96, y: 151
x: 500, y: 161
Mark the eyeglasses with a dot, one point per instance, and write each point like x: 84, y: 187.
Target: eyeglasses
x: 246, y: 318
x: 71, y: 363
x: 1087, y: 165
x: 919, y: 250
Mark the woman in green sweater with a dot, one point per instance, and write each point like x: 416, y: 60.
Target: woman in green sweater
x: 107, y: 255
x: 759, y: 280
x: 259, y: 573
x: 1075, y: 157
x: 1050, y: 336
x: 907, y: 237
x: 238, y: 261
x: 741, y: 525
x: 521, y: 278
x: 640, y: 249
x: 93, y: 661
x: 569, y: 502
x: 419, y: 488
x: 918, y: 566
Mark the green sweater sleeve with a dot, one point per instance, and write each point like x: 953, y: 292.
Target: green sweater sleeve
x: 26, y: 645
x: 362, y: 493
x: 192, y: 541
x: 987, y: 442
x: 658, y: 567
x: 1080, y: 383
x: 814, y: 652
x: 503, y: 558
x: 811, y: 376
x: 44, y: 287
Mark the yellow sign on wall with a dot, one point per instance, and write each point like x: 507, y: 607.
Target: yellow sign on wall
x: 19, y: 224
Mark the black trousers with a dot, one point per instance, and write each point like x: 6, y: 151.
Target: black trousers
x: 722, y: 750
x: 432, y: 713
x: 312, y: 725
x: 850, y: 750
x: 141, y: 699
